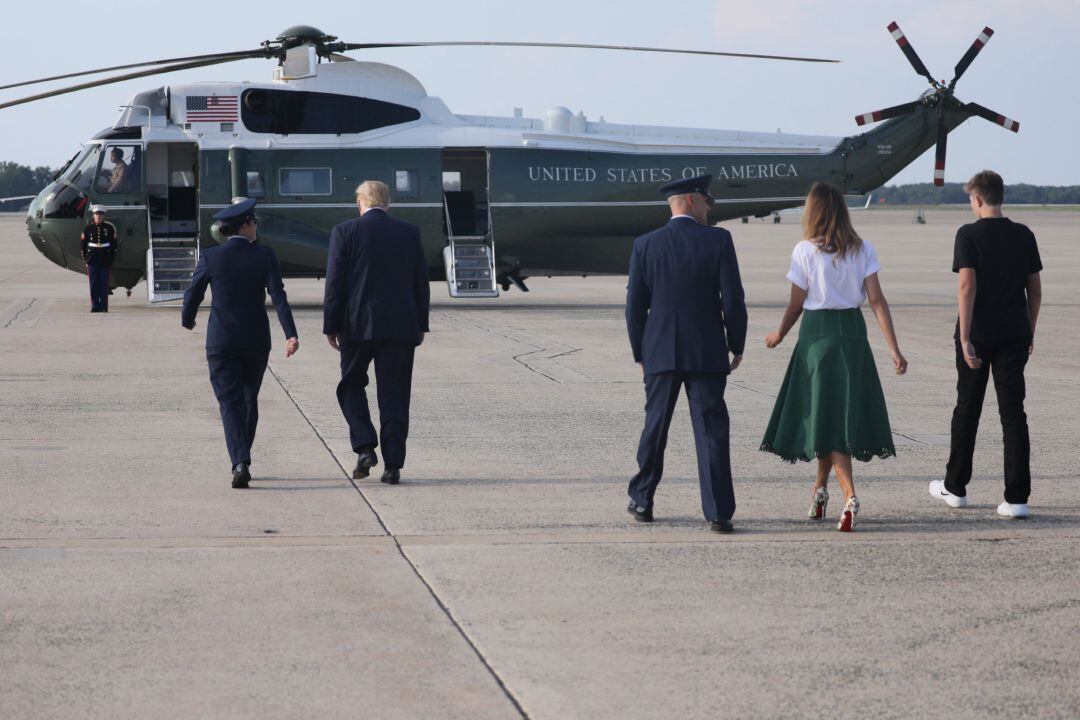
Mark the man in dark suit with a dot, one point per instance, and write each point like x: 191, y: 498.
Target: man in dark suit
x: 239, y: 273
x: 376, y: 310
x: 684, y: 313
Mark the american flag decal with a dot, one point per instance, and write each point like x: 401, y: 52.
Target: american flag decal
x: 212, y: 108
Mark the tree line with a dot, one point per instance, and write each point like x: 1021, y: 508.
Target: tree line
x: 18, y: 180
x: 1019, y: 194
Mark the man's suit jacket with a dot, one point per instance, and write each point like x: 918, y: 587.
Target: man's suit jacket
x: 684, y: 301
x: 376, y: 281
x: 240, y: 274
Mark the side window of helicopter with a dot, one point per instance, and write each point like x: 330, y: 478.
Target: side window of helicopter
x: 256, y: 188
x: 82, y: 173
x: 120, y: 170
x: 406, y: 184
x: 304, y: 181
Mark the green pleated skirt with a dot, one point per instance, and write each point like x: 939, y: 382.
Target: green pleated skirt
x: 831, y: 398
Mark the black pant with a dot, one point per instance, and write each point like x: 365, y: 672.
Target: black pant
x: 393, y: 378
x: 236, y: 376
x: 1006, y: 360
x: 99, y: 286
x: 709, y: 417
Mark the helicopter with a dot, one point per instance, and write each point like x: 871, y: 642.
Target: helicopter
x: 497, y: 199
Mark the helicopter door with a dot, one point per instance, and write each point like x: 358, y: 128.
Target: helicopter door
x: 469, y: 255
x: 172, y: 175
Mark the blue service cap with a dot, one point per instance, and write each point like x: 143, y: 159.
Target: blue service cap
x: 699, y: 184
x: 239, y: 211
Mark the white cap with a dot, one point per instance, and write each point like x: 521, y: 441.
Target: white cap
x: 98, y: 209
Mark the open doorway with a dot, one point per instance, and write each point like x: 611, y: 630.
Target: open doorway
x: 465, y: 192
x: 172, y: 189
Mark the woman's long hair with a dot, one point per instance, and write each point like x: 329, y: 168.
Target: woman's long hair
x: 827, y: 222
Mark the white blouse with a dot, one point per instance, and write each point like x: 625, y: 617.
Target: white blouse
x: 832, y: 285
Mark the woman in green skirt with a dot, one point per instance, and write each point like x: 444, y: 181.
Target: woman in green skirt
x: 831, y: 407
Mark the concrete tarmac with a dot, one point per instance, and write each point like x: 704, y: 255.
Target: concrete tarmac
x: 503, y: 577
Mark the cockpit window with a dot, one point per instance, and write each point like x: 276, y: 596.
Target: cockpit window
x: 121, y: 166
x: 83, y: 169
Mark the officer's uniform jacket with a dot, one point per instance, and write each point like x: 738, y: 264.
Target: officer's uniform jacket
x: 376, y: 281
x: 98, y: 244
x: 240, y: 274
x: 685, y: 308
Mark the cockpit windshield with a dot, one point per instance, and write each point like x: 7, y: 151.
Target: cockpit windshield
x: 83, y: 169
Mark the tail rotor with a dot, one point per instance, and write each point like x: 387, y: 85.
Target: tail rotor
x: 940, y: 97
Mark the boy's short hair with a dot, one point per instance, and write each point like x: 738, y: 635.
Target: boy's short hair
x: 988, y: 185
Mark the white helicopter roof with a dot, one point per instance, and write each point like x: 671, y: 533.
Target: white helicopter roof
x: 439, y: 127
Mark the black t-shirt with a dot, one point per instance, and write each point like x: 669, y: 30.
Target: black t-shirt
x: 1003, y: 255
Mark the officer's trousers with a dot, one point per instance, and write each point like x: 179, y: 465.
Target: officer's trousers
x: 236, y: 376
x: 709, y: 417
x: 393, y: 379
x: 99, y: 286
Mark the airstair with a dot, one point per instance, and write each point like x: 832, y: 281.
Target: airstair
x: 170, y: 263
x: 469, y: 258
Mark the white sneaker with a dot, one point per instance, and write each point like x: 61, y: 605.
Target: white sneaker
x: 937, y: 490
x: 1013, y: 510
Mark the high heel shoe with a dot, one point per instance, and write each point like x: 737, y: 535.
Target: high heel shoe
x: 847, y: 517
x: 818, y: 504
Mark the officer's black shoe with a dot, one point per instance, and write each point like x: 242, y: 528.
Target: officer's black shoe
x: 640, y: 512
x: 721, y: 526
x: 241, y: 476
x: 391, y: 476
x: 365, y: 460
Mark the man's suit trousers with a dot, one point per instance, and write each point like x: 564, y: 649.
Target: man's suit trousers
x: 393, y: 378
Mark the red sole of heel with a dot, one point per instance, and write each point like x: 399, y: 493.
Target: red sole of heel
x: 847, y: 522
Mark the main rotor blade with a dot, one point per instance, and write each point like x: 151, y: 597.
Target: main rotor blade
x: 988, y: 114
x: 969, y: 56
x: 939, y: 155
x: 909, y: 52
x: 237, y: 55
x: 461, y: 43
x: 891, y: 112
x: 116, y: 79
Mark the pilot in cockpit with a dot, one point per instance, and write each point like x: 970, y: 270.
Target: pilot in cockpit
x: 111, y: 181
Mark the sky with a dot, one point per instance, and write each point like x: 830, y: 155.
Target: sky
x: 1026, y: 72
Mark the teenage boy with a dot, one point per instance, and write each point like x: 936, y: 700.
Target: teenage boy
x: 999, y: 295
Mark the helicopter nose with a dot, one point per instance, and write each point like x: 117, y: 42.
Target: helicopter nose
x: 38, y: 227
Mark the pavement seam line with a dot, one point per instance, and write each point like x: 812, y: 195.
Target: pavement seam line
x: 499, y: 681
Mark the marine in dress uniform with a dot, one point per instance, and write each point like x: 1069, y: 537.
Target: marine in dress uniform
x: 240, y: 273
x: 684, y: 313
x: 376, y: 310
x: 98, y: 246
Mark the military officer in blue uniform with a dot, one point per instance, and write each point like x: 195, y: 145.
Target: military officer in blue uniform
x: 685, y: 314
x: 375, y: 310
x: 98, y: 246
x: 239, y: 273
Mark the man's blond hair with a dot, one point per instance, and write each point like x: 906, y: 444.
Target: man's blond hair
x: 372, y: 193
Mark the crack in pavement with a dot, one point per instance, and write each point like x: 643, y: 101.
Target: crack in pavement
x: 21, y: 310
x: 542, y: 353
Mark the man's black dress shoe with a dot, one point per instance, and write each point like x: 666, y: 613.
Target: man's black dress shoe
x: 241, y: 476
x: 391, y: 476
x: 721, y: 526
x: 640, y: 512
x: 365, y: 460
